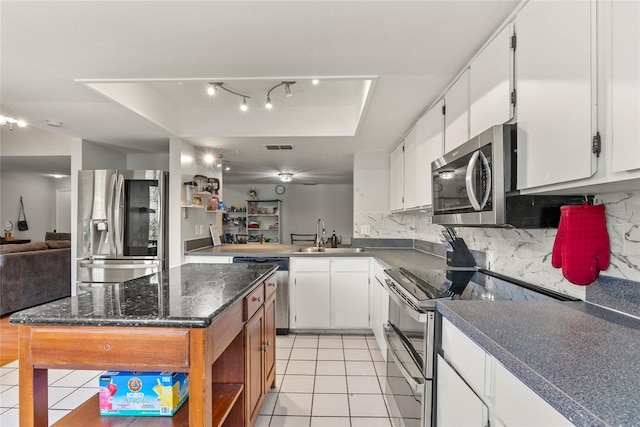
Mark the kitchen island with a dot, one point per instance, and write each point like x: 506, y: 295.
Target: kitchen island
x: 202, y: 319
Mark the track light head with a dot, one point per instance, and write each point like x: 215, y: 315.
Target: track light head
x: 268, y: 104
x: 287, y: 90
x: 244, y: 106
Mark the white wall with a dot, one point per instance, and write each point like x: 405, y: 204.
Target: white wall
x: 302, y: 205
x: 194, y: 223
x: 96, y: 156
x: 31, y: 141
x: 148, y: 161
x: 39, y: 197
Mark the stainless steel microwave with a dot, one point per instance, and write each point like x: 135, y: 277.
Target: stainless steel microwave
x: 475, y: 185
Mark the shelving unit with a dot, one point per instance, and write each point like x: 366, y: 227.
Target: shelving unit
x: 264, y: 217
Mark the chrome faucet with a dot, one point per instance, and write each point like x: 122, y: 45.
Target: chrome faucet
x: 320, y: 220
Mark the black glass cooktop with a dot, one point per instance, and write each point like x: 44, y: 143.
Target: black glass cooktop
x: 469, y: 284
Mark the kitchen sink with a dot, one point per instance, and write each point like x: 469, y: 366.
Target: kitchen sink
x: 312, y: 249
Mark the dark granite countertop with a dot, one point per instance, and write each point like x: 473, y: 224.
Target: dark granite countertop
x: 187, y: 296
x: 580, y: 358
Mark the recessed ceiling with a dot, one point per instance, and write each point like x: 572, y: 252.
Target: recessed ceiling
x: 410, y: 50
x: 183, y: 106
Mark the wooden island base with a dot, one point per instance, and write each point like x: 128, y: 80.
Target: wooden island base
x: 230, y: 367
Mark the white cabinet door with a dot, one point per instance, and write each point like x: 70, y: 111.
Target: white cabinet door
x: 350, y: 293
x: 554, y: 92
x: 626, y: 86
x: 313, y: 300
x: 457, y: 404
x: 430, y: 138
x: 518, y: 405
x: 311, y: 293
x: 396, y: 178
x: 410, y: 169
x: 456, y: 116
x: 490, y: 84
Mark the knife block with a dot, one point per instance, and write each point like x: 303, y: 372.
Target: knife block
x: 460, y: 255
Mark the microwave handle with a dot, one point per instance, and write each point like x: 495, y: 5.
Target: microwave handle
x: 488, y: 178
x: 478, y: 206
x: 469, y: 181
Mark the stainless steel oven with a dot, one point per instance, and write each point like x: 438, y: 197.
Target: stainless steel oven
x: 409, y: 335
x: 411, y: 331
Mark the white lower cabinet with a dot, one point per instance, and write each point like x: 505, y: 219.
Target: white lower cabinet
x: 329, y: 293
x: 518, y: 405
x: 310, y: 283
x: 350, y: 293
x: 458, y: 405
x: 487, y: 391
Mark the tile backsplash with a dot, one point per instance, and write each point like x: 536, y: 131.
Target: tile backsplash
x: 524, y: 253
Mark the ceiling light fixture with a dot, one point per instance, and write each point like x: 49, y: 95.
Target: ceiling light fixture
x: 10, y: 121
x: 214, y: 86
x: 227, y: 167
x: 209, y: 158
x: 287, y: 91
x: 285, y: 177
x: 315, y: 81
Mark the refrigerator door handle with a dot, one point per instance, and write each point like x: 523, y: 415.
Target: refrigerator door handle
x: 110, y: 234
x: 89, y: 264
x: 118, y: 214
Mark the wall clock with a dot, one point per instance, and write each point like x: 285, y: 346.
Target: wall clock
x: 280, y: 189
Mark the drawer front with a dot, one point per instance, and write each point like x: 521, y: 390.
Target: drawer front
x: 116, y: 348
x: 350, y: 264
x: 270, y: 286
x: 253, y: 302
x: 311, y: 264
x: 465, y: 355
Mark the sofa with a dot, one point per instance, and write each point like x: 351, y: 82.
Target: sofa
x: 34, y: 273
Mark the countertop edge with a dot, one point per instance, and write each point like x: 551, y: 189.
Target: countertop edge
x: 547, y: 390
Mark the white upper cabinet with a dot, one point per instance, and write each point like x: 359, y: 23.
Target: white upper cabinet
x: 555, y: 99
x: 491, y: 84
x: 456, y: 116
x: 430, y: 138
x: 410, y: 169
x: 396, y: 178
x: 626, y: 86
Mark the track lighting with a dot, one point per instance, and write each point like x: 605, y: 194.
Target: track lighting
x: 10, y: 121
x: 285, y: 177
x: 214, y: 86
x: 227, y: 168
x: 315, y: 82
x: 287, y: 91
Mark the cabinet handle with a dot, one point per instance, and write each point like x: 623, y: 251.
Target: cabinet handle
x: 272, y: 284
x: 268, y: 343
x: 259, y: 299
x: 265, y: 348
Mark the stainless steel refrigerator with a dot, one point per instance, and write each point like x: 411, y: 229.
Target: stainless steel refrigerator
x: 122, y: 225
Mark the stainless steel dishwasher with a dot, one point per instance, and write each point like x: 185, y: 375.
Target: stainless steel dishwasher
x: 282, y: 293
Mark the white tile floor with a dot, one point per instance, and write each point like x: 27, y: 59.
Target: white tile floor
x: 326, y: 380
x: 67, y: 390
x: 322, y: 381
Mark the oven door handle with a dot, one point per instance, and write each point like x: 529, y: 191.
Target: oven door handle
x: 416, y: 384
x: 394, y: 294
